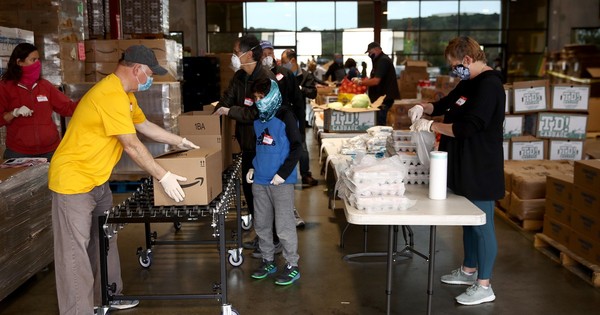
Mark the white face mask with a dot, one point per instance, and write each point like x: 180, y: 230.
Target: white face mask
x: 236, y: 63
x: 268, y: 62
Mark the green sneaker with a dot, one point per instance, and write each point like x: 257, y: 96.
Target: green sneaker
x: 288, y: 276
x: 458, y: 276
x: 265, y: 269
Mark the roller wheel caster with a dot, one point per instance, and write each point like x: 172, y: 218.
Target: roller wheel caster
x: 246, y: 222
x: 177, y: 226
x: 235, y: 257
x: 145, y: 257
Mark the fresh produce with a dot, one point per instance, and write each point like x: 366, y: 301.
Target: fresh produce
x: 352, y: 88
x: 335, y: 105
x: 360, y: 101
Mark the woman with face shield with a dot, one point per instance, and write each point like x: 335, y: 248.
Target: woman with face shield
x: 472, y: 136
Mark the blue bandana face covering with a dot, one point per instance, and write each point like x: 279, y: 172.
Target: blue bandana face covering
x: 461, y: 72
x: 268, y: 105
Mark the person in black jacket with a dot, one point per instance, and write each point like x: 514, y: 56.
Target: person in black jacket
x: 472, y: 136
x: 336, y: 69
x: 306, y: 83
x: 382, y: 81
x: 237, y: 102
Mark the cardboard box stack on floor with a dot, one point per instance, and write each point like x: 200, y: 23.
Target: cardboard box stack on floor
x: 525, y: 182
x: 573, y: 210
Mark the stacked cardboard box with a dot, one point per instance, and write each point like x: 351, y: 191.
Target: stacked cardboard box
x: 59, y: 27
x: 573, y: 210
x: 414, y: 70
x: 553, y: 118
x: 145, y: 16
x: 525, y: 183
x: 102, y: 56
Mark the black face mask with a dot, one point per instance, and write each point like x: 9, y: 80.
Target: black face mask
x: 372, y: 56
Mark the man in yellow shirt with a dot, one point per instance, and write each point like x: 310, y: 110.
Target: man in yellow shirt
x: 102, y: 127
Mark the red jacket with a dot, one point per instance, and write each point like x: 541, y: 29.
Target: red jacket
x: 37, y: 134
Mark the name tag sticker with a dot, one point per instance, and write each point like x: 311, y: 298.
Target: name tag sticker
x: 279, y: 76
x: 248, y: 102
x: 42, y: 98
x: 267, y: 140
x: 461, y: 101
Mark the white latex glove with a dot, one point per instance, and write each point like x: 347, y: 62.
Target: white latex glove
x: 250, y: 176
x: 222, y: 111
x: 170, y: 183
x: 187, y: 145
x: 421, y: 125
x: 415, y: 113
x: 277, y: 180
x: 22, y: 111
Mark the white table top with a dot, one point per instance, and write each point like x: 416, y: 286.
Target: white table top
x: 455, y: 210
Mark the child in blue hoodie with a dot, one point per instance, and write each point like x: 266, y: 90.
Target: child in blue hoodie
x: 278, y: 148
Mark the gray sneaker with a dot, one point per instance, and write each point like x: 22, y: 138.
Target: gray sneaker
x: 458, y: 276
x: 476, y: 294
x: 299, y: 222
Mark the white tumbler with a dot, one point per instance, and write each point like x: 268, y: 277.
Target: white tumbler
x: 438, y: 172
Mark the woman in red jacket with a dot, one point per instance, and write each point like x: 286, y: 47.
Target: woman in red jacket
x: 26, y: 104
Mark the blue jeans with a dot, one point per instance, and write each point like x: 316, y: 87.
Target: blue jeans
x: 480, y: 245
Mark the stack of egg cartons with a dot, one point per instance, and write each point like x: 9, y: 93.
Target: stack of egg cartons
x: 374, y: 185
x: 401, y: 144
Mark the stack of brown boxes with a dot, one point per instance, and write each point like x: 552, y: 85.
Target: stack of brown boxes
x: 102, y: 56
x: 525, y: 183
x: 414, y: 70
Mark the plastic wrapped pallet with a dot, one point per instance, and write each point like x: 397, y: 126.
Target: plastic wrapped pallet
x: 527, y: 209
x: 25, y: 227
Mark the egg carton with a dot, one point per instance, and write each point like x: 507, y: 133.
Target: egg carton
x: 402, y: 135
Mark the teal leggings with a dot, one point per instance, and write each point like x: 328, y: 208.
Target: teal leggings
x: 479, y: 242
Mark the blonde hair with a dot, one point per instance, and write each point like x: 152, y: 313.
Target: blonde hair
x: 462, y: 46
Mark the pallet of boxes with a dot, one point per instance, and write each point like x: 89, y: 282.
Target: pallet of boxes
x: 571, y: 234
x: 544, y: 131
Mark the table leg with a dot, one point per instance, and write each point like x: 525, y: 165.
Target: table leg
x: 431, y: 267
x: 390, y: 254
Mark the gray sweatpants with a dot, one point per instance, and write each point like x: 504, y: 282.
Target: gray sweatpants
x: 76, y: 250
x: 275, y: 203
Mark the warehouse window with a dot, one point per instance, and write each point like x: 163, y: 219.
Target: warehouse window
x: 415, y: 29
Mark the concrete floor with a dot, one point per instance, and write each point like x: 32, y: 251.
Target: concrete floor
x: 525, y: 281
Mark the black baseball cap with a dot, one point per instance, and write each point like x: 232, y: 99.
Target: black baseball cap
x: 143, y: 55
x: 372, y: 45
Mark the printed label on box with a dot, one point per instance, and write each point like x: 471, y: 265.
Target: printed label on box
x: 566, y: 150
x: 570, y: 97
x: 339, y: 121
x: 530, y: 99
x: 528, y: 150
x: 513, y: 126
x: 565, y: 126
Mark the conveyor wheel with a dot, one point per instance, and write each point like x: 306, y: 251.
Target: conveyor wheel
x: 246, y: 222
x: 228, y: 310
x: 144, y: 257
x: 177, y: 226
x: 235, y: 257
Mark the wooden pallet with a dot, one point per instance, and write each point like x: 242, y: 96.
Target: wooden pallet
x: 524, y: 225
x: 584, y: 269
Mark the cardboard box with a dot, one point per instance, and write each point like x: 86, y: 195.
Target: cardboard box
x: 513, y: 126
x: 345, y: 121
x: 530, y: 96
x: 593, y: 123
x: 587, y: 174
x: 527, y: 148
x: 584, y: 246
x: 570, y: 97
x: 565, y: 150
x: 560, y: 188
x: 201, y: 123
x: 586, y: 224
x: 231, y: 146
x: 164, y: 49
x: 586, y: 199
x: 203, y: 169
x: 561, y: 126
x: 446, y: 83
x: 557, y: 231
x: 95, y: 72
x: 559, y: 211
x: 211, y: 141
x: 105, y: 50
